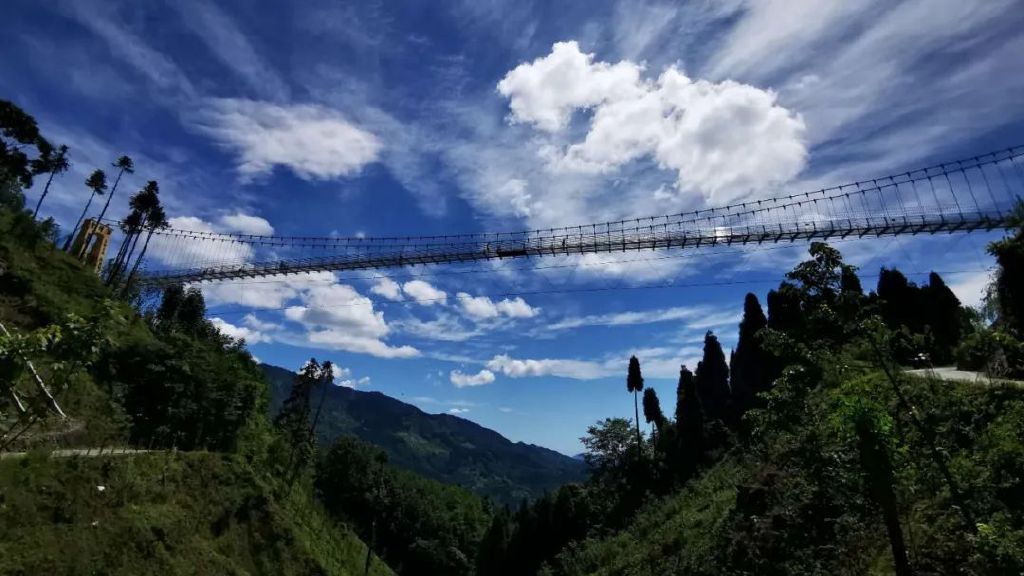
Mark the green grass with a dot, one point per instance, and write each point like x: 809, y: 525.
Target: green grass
x: 675, y: 535
x: 162, y: 513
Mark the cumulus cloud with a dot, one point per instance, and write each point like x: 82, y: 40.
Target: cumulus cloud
x: 315, y: 142
x: 423, y: 293
x: 461, y: 380
x: 387, y: 288
x: 458, y: 410
x: 339, y: 317
x: 723, y: 139
x: 246, y: 224
x: 266, y: 293
x: 174, y: 253
x: 250, y: 335
x: 482, y: 307
x: 576, y: 369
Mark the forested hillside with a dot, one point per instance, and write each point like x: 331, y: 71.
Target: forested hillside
x: 808, y: 449
x: 439, y: 446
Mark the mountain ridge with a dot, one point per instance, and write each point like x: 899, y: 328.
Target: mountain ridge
x: 444, y: 447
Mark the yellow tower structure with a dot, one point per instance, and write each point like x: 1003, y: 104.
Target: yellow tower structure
x: 90, y: 245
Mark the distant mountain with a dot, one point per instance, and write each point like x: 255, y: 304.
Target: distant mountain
x: 439, y: 446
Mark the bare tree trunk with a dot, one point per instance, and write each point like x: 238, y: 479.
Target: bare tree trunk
x: 875, y: 462
x: 46, y: 190
x: 131, y: 276
x: 639, y: 442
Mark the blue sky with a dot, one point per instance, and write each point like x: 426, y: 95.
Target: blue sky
x: 411, y: 118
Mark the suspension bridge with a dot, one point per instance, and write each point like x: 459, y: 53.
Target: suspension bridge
x: 978, y: 193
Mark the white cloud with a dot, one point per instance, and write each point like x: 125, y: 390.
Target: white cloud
x: 339, y: 372
x: 176, y: 253
x: 353, y: 382
x: 316, y: 143
x: 263, y: 293
x: 458, y: 410
x: 229, y: 44
x: 423, y: 293
x: 970, y: 288
x: 461, y: 380
x: 505, y: 409
x: 576, y: 369
x: 246, y: 224
x: 255, y: 323
x: 631, y: 317
x: 250, y: 335
x: 547, y: 91
x: 483, y: 308
x: 338, y: 317
x: 387, y: 288
x: 723, y: 139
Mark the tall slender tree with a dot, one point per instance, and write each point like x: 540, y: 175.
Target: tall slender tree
x: 54, y: 162
x: 652, y: 410
x: 293, y: 421
x: 712, y: 380
x: 634, y: 384
x: 689, y: 423
x: 97, y: 182
x: 750, y: 366
x: 155, y: 220
x: 142, y: 205
x: 124, y: 165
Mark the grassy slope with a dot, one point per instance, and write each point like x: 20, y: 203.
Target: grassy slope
x: 194, y: 513
x: 160, y: 514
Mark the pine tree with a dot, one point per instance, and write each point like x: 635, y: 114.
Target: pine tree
x: 784, y: 308
x: 652, y: 409
x: 944, y: 317
x: 712, y: 380
x: 634, y: 384
x: 689, y: 424
x: 293, y: 421
x: 897, y: 300
x: 751, y: 364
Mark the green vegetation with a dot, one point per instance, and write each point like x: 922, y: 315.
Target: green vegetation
x: 811, y: 451
x: 184, y: 513
x: 158, y: 378
x: 439, y: 446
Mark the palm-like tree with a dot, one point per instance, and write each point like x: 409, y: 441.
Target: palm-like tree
x: 53, y: 161
x: 634, y: 384
x: 142, y: 203
x: 124, y: 165
x: 97, y: 182
x: 155, y: 220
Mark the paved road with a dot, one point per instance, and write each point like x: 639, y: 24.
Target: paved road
x: 951, y: 373
x: 86, y: 452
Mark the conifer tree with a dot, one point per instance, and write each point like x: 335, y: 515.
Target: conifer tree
x: 944, y: 317
x: 294, y: 422
x: 652, y: 409
x: 712, y: 380
x: 634, y: 384
x: 750, y: 366
x: 689, y: 423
